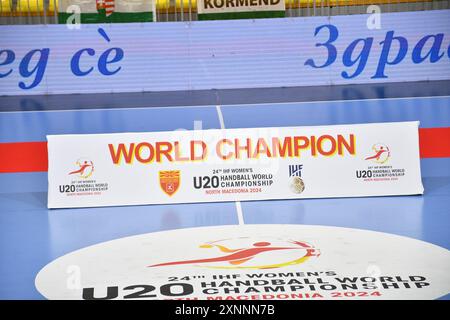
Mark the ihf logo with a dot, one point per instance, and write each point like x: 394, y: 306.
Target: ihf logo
x: 296, y: 183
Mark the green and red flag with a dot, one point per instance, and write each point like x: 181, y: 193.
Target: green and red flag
x: 105, y: 11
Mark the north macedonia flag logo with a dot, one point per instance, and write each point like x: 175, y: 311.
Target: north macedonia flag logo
x: 169, y: 181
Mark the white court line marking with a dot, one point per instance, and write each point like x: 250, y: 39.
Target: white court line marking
x: 227, y: 105
x: 239, y: 213
x: 237, y: 203
x: 220, y: 115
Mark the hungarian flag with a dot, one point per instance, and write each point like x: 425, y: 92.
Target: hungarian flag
x: 105, y: 11
x: 108, y: 5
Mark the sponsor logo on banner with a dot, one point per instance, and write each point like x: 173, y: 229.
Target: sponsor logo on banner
x: 169, y: 181
x: 381, y: 170
x: 297, y: 184
x: 381, y: 153
x: 240, y: 9
x: 85, y: 168
x: 252, y: 262
x: 81, y: 181
x: 242, y: 257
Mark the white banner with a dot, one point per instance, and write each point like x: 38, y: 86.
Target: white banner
x: 224, y: 6
x: 233, y: 165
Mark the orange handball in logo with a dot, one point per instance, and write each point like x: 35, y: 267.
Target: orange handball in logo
x: 169, y: 181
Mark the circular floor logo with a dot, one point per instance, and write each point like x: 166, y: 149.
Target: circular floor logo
x: 251, y: 262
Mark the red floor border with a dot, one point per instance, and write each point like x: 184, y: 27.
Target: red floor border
x: 32, y: 156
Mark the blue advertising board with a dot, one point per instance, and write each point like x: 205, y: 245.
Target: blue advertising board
x: 136, y: 57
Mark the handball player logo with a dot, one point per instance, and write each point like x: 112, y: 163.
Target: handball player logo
x: 169, y: 181
x: 85, y: 168
x: 246, y: 253
x: 381, y: 153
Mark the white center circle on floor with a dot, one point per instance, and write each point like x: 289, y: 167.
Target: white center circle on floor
x: 248, y: 262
